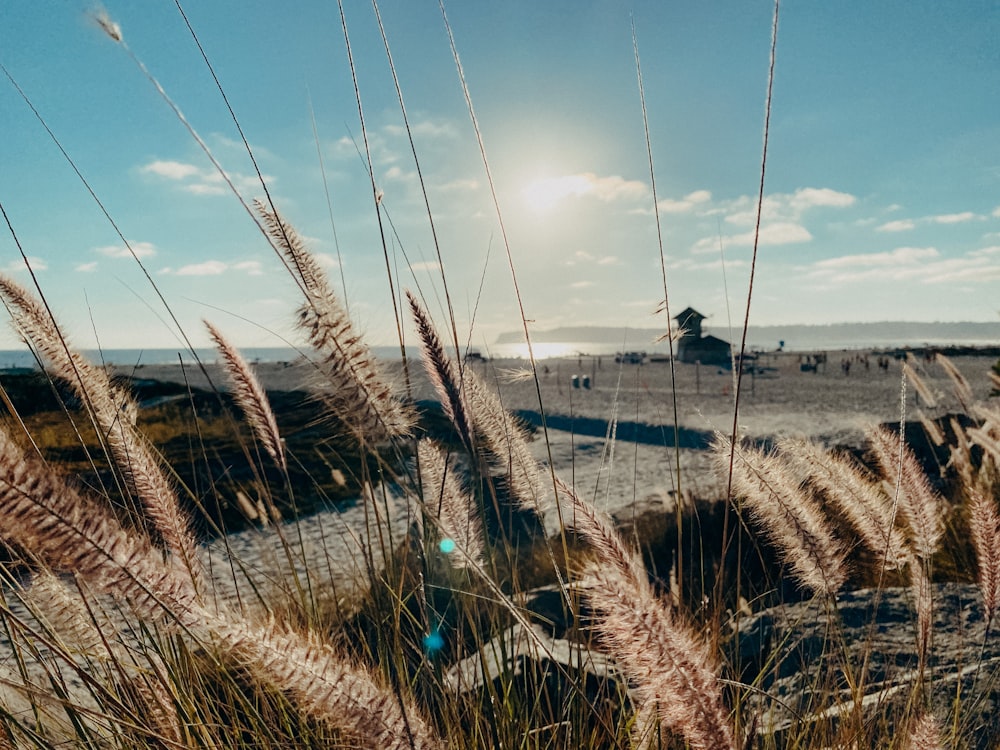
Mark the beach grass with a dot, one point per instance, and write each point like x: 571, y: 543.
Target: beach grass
x: 468, y: 596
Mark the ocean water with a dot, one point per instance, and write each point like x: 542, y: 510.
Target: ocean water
x: 794, y: 338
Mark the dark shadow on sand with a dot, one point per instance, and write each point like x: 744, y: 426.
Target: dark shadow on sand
x: 634, y: 432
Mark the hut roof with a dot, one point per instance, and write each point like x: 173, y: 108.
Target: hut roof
x: 687, y: 313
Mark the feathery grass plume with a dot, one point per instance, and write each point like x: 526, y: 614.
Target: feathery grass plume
x: 347, y: 697
x: 963, y: 391
x: 934, y: 433
x: 251, y: 397
x: 960, y: 457
x: 788, y: 514
x: 358, y: 392
x: 65, y: 611
x: 924, y: 734
x: 861, y: 500
x: 599, y: 531
x: 919, y: 384
x: 987, y: 435
x: 479, y: 416
x: 456, y: 517
x: 923, y: 602
x: 669, y: 666
x: 443, y: 374
x: 151, y: 688
x: 112, y: 410
x: 506, y: 440
x: 984, y: 522
x: 109, y: 27
x: 923, y: 509
x: 85, y: 631
x: 69, y: 532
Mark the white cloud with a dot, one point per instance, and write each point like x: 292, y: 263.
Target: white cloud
x: 216, y: 268
x: 581, y: 284
x: 86, y: 267
x: 899, y: 225
x: 996, y: 213
x: 689, y: 264
x: 17, y: 266
x: 325, y: 260
x: 777, y: 233
x: 424, y: 128
x: 206, y: 268
x: 251, y: 267
x: 954, y: 218
x: 920, y: 265
x: 901, y: 255
x: 785, y: 207
x: 459, y: 185
x: 198, y: 181
x: 805, y: 198
x: 204, y: 188
x: 608, y: 260
x: 985, y: 252
x: 141, y: 250
x: 172, y: 170
x: 425, y: 265
x: 685, y: 204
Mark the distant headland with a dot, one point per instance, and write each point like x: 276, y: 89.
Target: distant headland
x: 876, y: 335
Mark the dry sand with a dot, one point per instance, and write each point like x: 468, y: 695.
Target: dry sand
x: 827, y: 406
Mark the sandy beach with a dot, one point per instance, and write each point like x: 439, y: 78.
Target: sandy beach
x: 636, y: 404
x: 780, y: 400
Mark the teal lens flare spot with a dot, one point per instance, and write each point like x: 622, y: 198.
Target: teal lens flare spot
x: 447, y: 546
x: 433, y: 642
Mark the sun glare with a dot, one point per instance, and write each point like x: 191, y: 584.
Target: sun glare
x: 544, y: 194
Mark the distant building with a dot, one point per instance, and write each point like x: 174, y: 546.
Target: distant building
x: 694, y: 346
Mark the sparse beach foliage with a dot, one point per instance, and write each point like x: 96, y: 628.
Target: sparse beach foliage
x: 472, y: 596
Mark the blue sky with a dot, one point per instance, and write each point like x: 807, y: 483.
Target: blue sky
x: 883, y: 181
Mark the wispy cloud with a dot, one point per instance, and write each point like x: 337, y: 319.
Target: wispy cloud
x: 172, y: 170
x: 686, y: 204
x: 424, y: 129
x: 17, y: 266
x: 785, y: 207
x: 458, y: 185
x: 425, y: 265
x: 901, y: 255
x: 250, y: 267
x: 781, y: 217
x: 86, y: 267
x: 958, y: 218
x: 205, y: 268
x: 904, y: 225
x: 326, y: 260
x: 141, y: 250
x: 198, y: 181
x: 216, y: 268
x: 581, y: 284
x: 899, y: 225
x: 922, y: 265
x: 776, y: 233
